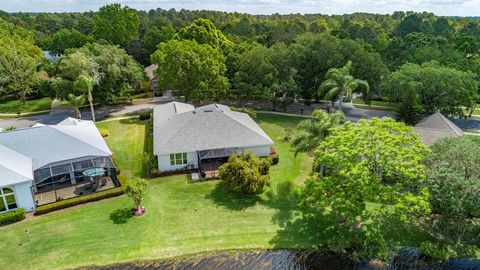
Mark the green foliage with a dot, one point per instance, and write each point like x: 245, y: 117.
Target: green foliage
x: 339, y: 84
x: 246, y: 173
x: 155, y: 36
x: 12, y: 216
x: 203, y: 31
x: 251, y: 112
x: 44, y: 209
x: 116, y: 24
x: 410, y: 109
x: 76, y: 102
x: 106, y: 68
x: 375, y: 162
x: 19, y: 60
x: 436, y: 88
x: 266, y: 74
x: 145, y: 116
x: 64, y: 39
x: 135, y: 189
x: 104, y: 132
x: 453, y: 174
x: 311, y: 132
x: 192, y: 70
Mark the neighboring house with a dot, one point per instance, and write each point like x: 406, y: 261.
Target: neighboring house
x: 48, y: 163
x: 149, y: 71
x: 435, y: 127
x: 185, y: 137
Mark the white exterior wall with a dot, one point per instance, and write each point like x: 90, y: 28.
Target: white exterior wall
x: 164, y: 162
x: 261, y: 151
x: 24, y: 196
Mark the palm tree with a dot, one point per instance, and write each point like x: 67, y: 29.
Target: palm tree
x: 76, y: 102
x: 313, y: 131
x: 85, y: 83
x: 339, y: 83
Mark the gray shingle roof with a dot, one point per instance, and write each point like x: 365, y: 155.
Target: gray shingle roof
x: 179, y: 127
x: 435, y: 127
x: 48, y: 144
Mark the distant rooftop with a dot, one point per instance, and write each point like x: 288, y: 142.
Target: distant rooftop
x: 435, y: 127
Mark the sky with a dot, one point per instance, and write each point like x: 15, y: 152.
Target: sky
x: 439, y: 7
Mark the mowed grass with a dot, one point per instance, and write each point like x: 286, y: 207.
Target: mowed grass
x: 14, y: 106
x: 183, y: 218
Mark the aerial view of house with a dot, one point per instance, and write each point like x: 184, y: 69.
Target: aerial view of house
x: 48, y: 163
x: 202, y: 138
x: 257, y: 135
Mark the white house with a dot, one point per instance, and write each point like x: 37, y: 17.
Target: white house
x: 188, y: 137
x: 47, y: 163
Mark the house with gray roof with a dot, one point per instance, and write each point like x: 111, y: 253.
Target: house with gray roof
x: 435, y: 127
x: 188, y: 137
x: 48, y: 163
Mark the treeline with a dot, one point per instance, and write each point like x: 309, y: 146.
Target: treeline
x: 426, y: 62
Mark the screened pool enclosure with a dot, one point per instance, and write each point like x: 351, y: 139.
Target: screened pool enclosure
x: 72, y: 178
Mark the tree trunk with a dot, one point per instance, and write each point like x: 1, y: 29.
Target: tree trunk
x: 22, y: 96
x: 90, y: 100
x: 79, y: 114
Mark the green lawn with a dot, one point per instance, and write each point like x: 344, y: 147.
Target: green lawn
x: 14, y: 106
x: 358, y: 102
x: 183, y: 218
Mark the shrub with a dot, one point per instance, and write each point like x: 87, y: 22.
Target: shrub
x: 251, y: 112
x: 78, y: 200
x: 246, y: 173
x: 12, y: 216
x: 104, y: 132
x: 274, y: 158
x: 144, y: 116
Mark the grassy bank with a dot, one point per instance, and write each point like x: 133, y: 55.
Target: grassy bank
x: 14, y: 106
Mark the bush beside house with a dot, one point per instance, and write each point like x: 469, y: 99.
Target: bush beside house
x: 246, y: 173
x: 12, y: 216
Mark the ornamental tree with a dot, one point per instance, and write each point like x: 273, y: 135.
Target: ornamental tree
x: 135, y: 189
x: 376, y: 163
x: 246, y: 173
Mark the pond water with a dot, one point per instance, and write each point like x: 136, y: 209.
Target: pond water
x: 407, y: 259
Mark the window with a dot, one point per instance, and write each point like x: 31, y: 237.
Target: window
x: 7, y: 200
x: 178, y: 159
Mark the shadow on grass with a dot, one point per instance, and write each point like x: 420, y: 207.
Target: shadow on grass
x: 121, y: 216
x: 223, y: 196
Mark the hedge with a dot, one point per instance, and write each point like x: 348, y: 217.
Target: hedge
x: 78, y: 200
x: 12, y: 216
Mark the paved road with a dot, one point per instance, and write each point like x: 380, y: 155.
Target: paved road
x: 354, y: 114
x: 351, y: 113
x: 59, y: 115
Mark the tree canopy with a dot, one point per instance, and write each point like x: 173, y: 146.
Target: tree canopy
x: 377, y: 161
x: 116, y: 24
x: 453, y: 181
x: 203, y: 31
x: 434, y: 87
x: 196, y: 71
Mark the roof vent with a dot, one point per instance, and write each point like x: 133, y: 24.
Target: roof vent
x: 208, y: 110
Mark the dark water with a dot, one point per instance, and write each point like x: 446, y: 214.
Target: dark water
x: 292, y: 260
